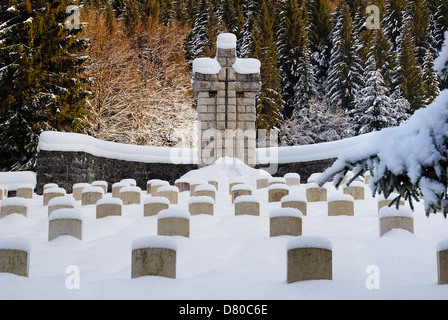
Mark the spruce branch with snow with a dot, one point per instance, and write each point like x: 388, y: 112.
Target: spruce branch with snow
x: 411, y: 159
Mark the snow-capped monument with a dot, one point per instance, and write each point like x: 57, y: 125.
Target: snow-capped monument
x: 226, y: 88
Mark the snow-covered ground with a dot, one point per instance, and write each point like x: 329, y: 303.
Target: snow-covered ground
x: 227, y: 256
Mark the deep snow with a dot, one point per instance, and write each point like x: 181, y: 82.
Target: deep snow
x: 226, y: 256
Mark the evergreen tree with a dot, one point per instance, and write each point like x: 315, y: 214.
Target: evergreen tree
x: 298, y: 80
x: 409, y: 70
x: 345, y: 70
x: 385, y: 57
x: 41, y: 86
x: 246, y: 47
x: 420, y: 20
x: 373, y: 109
x: 269, y: 103
x: 319, y: 32
x: 431, y: 79
x: 393, y: 20
x: 400, y: 106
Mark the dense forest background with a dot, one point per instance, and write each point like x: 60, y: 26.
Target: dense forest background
x: 124, y: 75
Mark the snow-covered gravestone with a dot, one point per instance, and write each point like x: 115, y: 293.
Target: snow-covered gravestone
x: 116, y: 187
x: 277, y: 191
x: 14, y: 256
x: 341, y: 204
x: 385, y: 202
x: 102, y: 184
x: 108, y: 207
x: 64, y: 202
x: 182, y: 184
x: 309, y: 258
x: 205, y: 189
x: 153, y: 205
x: 3, y: 192
x: 156, y: 184
x: 77, y: 190
x: 241, y: 189
x: 25, y: 191
x: 154, y: 256
x: 393, y: 218
x: 173, y: 222
x: 65, y: 222
x: 442, y: 261
x: 297, y: 201
x: 356, y: 190
x: 314, y: 193
x: 13, y: 205
x: 91, y: 194
x: 292, y: 178
x: 248, y: 204
x: 52, y: 192
x: 226, y: 88
x: 130, y: 195
x: 285, y: 222
x: 201, y: 205
x: 169, y: 192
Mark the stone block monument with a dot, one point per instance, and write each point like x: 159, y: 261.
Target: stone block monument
x: 226, y: 88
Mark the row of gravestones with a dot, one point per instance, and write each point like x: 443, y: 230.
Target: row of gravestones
x: 65, y: 220
x: 308, y: 257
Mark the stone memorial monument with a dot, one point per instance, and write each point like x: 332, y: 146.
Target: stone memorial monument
x: 226, y: 88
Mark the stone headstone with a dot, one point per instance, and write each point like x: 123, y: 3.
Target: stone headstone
x: 277, y: 191
x: 442, y: 261
x: 153, y: 205
x: 393, y: 218
x: 341, y: 204
x: 154, y: 256
x: 285, y: 222
x: 130, y: 195
x: 65, y: 222
x: 309, y: 258
x: 13, y: 205
x: 15, y: 256
x: 106, y: 207
x: 296, y: 201
x: 314, y: 193
x: 90, y: 195
x: 201, y: 205
x: 247, y: 204
x: 173, y: 222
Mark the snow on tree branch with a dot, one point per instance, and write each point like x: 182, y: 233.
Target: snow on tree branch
x: 410, y: 159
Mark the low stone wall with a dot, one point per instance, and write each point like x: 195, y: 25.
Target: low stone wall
x: 68, y: 168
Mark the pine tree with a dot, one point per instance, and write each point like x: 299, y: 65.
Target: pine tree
x: 269, y: 103
x: 400, y: 106
x: 298, y: 80
x: 420, y: 22
x: 319, y: 31
x: 42, y: 86
x: 393, y: 20
x: 431, y: 79
x: 409, y: 70
x: 345, y: 70
x: 385, y: 57
x: 373, y: 109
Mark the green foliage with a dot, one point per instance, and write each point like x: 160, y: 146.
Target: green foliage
x: 41, y: 82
